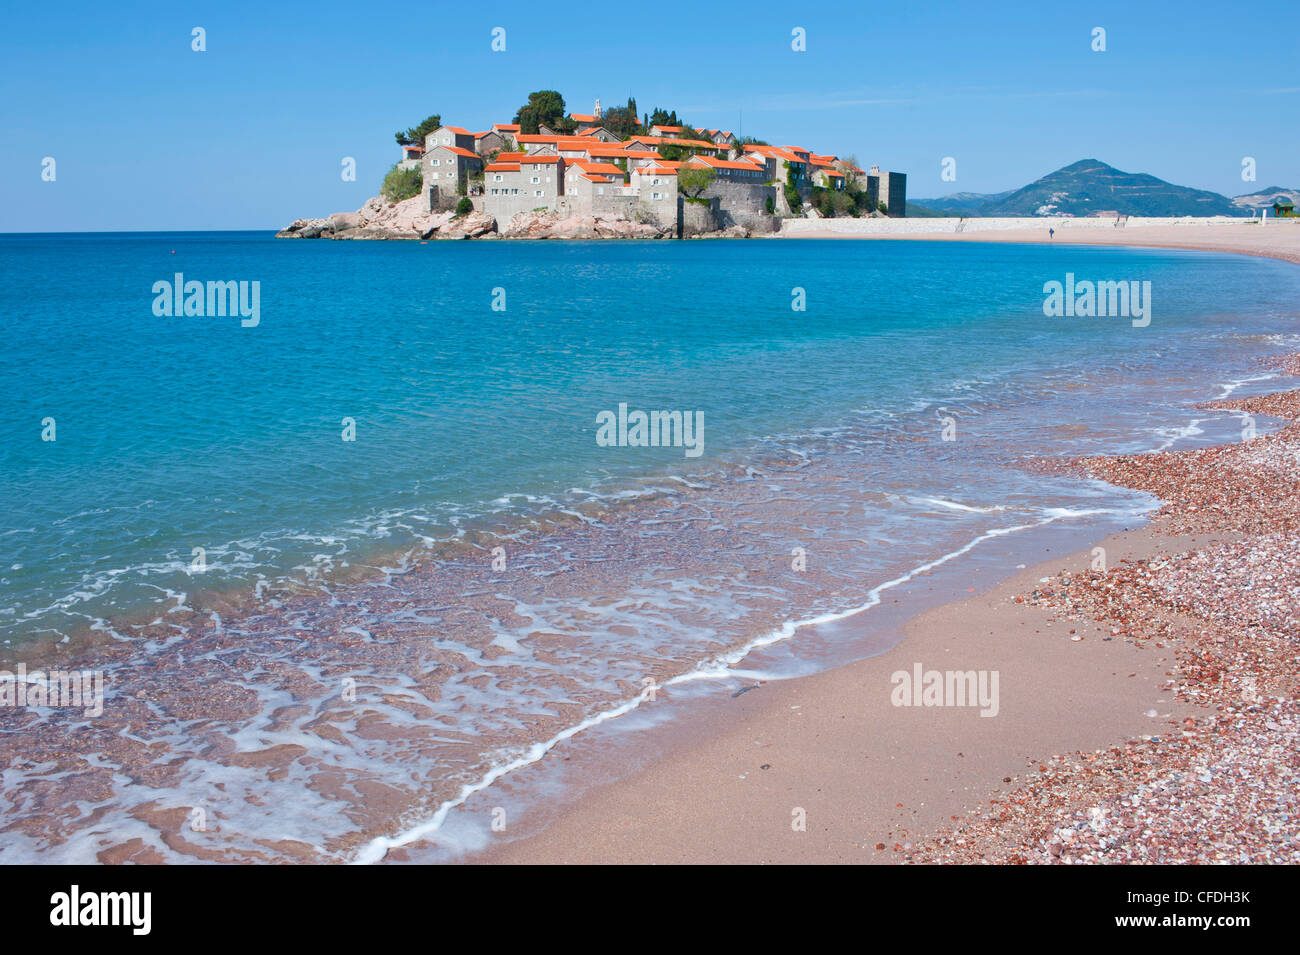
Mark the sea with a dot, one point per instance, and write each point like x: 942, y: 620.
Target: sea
x: 361, y: 564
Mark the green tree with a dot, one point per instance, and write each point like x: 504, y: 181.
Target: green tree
x: 621, y: 120
x: 791, y: 191
x: 661, y: 117
x: 544, y: 108
x: 464, y: 207
x: 402, y: 184
x: 415, y: 135
x: 693, y: 180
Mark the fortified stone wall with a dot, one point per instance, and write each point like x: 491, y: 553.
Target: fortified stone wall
x: 744, y: 204
x: 698, y: 218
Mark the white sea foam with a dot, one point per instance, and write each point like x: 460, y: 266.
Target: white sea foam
x: 719, y: 667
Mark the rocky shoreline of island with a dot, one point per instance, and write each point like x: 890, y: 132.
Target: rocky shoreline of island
x: 411, y: 220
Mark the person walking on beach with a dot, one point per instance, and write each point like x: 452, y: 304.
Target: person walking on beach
x: 1051, y: 233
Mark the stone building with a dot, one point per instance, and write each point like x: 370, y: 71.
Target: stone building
x: 599, y: 132
x: 411, y: 156
x: 897, y: 195
x: 734, y: 171
x: 522, y: 184
x: 585, y: 178
x: 488, y: 142
x: 448, y: 168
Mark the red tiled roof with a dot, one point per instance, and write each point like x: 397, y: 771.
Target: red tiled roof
x: 541, y: 159
x: 600, y: 168
x: 508, y: 127
x: 725, y: 164
x: 666, y: 129
x: 696, y: 143
x: 502, y: 167
x: 779, y: 152
x: 462, y: 151
x: 546, y: 138
x: 459, y: 130
x: 614, y: 151
x: 582, y: 117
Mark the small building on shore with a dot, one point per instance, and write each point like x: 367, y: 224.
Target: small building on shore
x: 411, y: 156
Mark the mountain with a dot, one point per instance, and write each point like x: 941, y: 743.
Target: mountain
x: 1090, y: 186
x: 921, y: 212
x: 962, y: 203
x: 1263, y: 198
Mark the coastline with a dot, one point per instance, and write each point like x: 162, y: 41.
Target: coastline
x: 1276, y: 239
x: 868, y: 773
x: 1137, y: 725
x: 290, y: 724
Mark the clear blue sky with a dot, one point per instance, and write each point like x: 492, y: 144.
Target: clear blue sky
x: 148, y: 134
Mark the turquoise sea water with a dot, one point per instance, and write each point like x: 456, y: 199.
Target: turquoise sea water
x: 476, y: 427
x: 176, y: 433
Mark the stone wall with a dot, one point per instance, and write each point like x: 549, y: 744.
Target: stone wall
x: 744, y: 204
x: 697, y: 219
x: 505, y: 208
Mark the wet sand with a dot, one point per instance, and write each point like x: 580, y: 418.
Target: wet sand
x: 870, y: 774
x: 1148, y: 711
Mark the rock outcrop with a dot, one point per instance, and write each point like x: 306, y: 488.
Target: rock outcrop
x: 552, y: 225
x: 730, y: 232
x: 381, y: 219
x: 304, y: 229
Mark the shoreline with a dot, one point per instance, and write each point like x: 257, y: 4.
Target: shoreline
x: 868, y: 774
x: 354, y: 646
x: 1104, y: 711
x: 1277, y: 239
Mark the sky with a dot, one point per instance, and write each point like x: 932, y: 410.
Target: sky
x: 251, y: 133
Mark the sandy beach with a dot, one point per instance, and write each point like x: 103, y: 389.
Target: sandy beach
x: 1147, y: 711
x: 1178, y: 712
x: 1277, y: 239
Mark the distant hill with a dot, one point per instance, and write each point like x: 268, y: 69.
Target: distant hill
x: 922, y: 212
x: 962, y: 203
x: 1086, y: 187
x: 1263, y: 198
